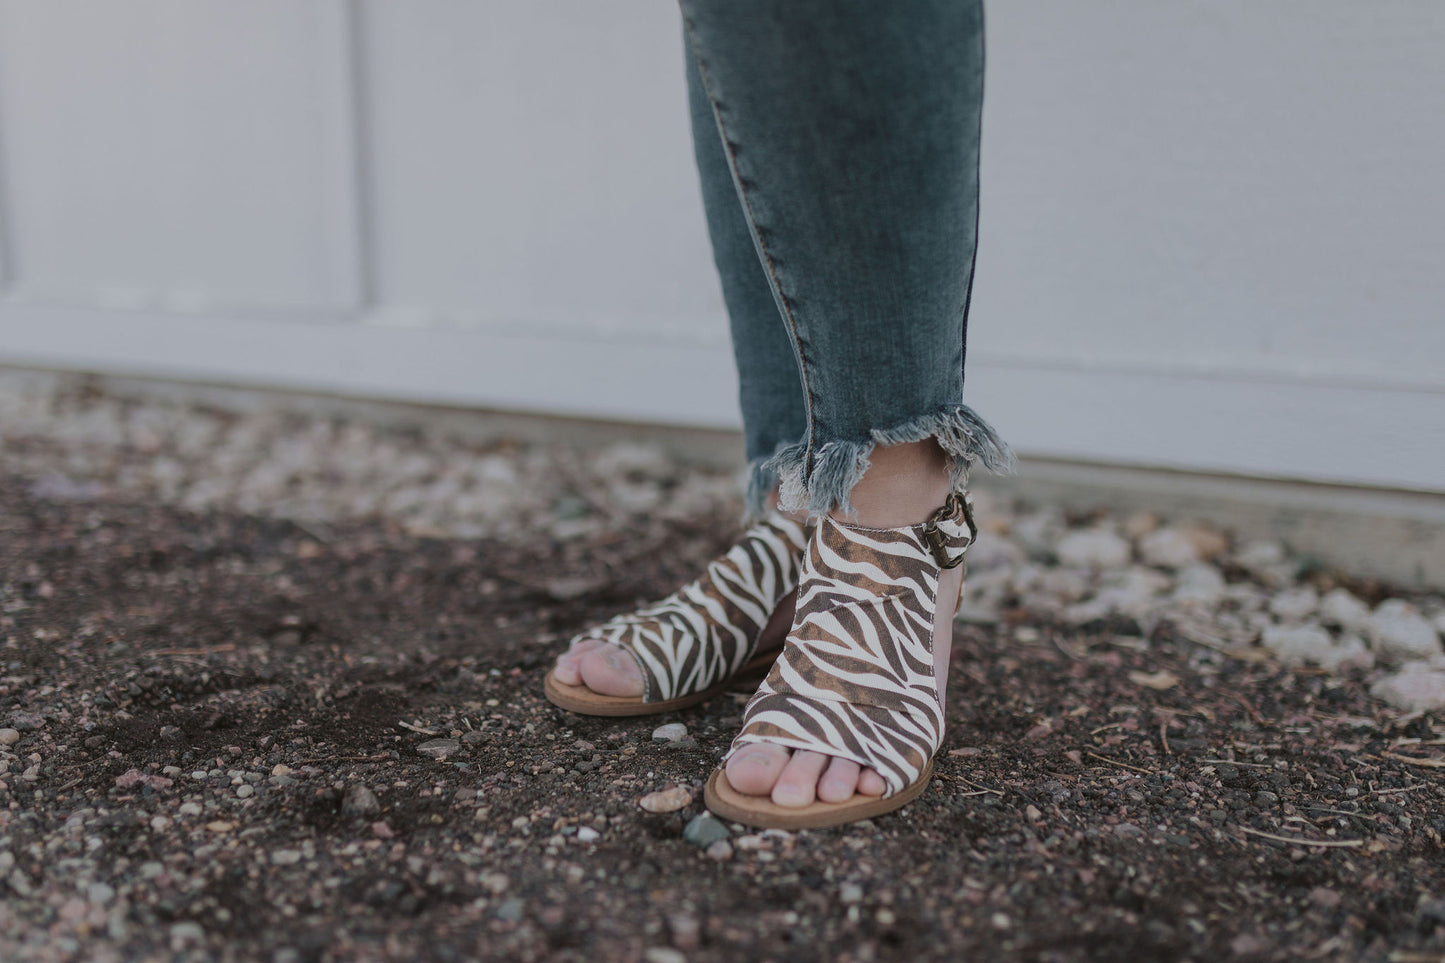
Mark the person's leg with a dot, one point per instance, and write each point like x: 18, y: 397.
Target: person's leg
x: 851, y: 130
x: 770, y: 390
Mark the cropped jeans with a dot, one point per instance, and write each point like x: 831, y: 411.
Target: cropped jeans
x: 838, y: 144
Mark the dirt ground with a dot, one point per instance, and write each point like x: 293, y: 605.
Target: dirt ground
x: 244, y: 739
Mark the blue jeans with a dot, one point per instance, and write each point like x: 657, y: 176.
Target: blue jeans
x: 837, y: 142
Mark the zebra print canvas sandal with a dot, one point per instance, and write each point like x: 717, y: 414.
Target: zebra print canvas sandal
x: 702, y: 638
x: 856, y: 677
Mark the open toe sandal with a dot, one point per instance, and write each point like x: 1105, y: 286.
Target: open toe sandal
x: 856, y: 676
x: 703, y: 638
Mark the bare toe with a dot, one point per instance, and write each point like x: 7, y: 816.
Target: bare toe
x: 798, y: 785
x: 871, y: 784
x: 839, y: 782
x: 607, y: 670
x: 754, y: 770
x: 568, y: 670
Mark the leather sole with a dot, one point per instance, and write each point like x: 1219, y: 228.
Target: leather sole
x: 763, y: 813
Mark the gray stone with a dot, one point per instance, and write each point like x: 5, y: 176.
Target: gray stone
x: 8, y: 737
x: 510, y: 911
x: 360, y: 801
x: 702, y: 831
x: 671, y: 732
x: 439, y: 748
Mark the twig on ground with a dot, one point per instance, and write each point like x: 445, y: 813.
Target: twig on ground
x: 226, y: 647
x: 1235, y: 762
x: 422, y: 730
x: 980, y: 786
x: 1415, y: 761
x: 1123, y: 765
x: 1332, y: 843
x: 1386, y: 792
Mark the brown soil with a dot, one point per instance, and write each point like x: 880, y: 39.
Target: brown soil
x: 1087, y: 806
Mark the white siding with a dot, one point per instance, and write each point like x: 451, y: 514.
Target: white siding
x: 1211, y: 230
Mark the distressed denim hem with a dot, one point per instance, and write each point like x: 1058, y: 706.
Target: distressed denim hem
x: 837, y: 466
x: 761, y: 481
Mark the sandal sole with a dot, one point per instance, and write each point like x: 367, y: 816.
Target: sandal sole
x: 761, y: 812
x: 585, y: 702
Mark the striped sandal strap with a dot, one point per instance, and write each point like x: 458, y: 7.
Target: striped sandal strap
x: 856, y: 677
x: 706, y: 631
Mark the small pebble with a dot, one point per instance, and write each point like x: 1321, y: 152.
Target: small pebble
x: 439, y: 748
x: 704, y: 830
x: 663, y: 954
x: 185, y: 935
x: 722, y: 850
x: 8, y: 737
x: 245, y: 792
x: 666, y: 800
x: 360, y: 801
x: 587, y: 834
x: 1094, y: 549
x: 671, y: 732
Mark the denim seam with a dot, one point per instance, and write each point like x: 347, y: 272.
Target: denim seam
x: 784, y: 302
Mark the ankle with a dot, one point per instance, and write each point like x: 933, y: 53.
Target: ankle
x: 904, y: 485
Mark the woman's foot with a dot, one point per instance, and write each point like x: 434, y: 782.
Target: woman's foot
x: 609, y: 669
x: 903, y: 486
x: 690, y: 645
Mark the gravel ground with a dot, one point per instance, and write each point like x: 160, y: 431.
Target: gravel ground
x: 272, y: 691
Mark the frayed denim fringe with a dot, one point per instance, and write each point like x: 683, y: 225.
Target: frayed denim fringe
x: 838, y: 465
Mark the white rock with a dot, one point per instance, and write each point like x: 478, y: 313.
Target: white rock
x: 587, y: 834
x: 1066, y: 584
x: 1296, y: 644
x: 1295, y: 605
x: 1350, y: 650
x: 1133, y: 592
x: 1169, y: 548
x: 1260, y: 554
x: 1341, y: 608
x: 1400, y: 632
x: 1200, y: 584
x: 1037, y: 532
x: 1094, y: 548
x: 994, y: 551
x: 1415, y: 688
x: 664, y: 954
x: 671, y: 732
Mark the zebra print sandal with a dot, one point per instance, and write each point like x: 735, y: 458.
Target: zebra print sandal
x: 702, y: 638
x: 856, y: 677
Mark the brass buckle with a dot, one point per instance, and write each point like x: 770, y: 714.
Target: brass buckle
x: 956, y: 504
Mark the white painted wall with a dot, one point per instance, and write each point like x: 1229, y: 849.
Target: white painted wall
x: 1212, y: 230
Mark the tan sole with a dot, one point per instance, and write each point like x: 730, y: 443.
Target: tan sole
x: 763, y: 813
x: 585, y: 702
